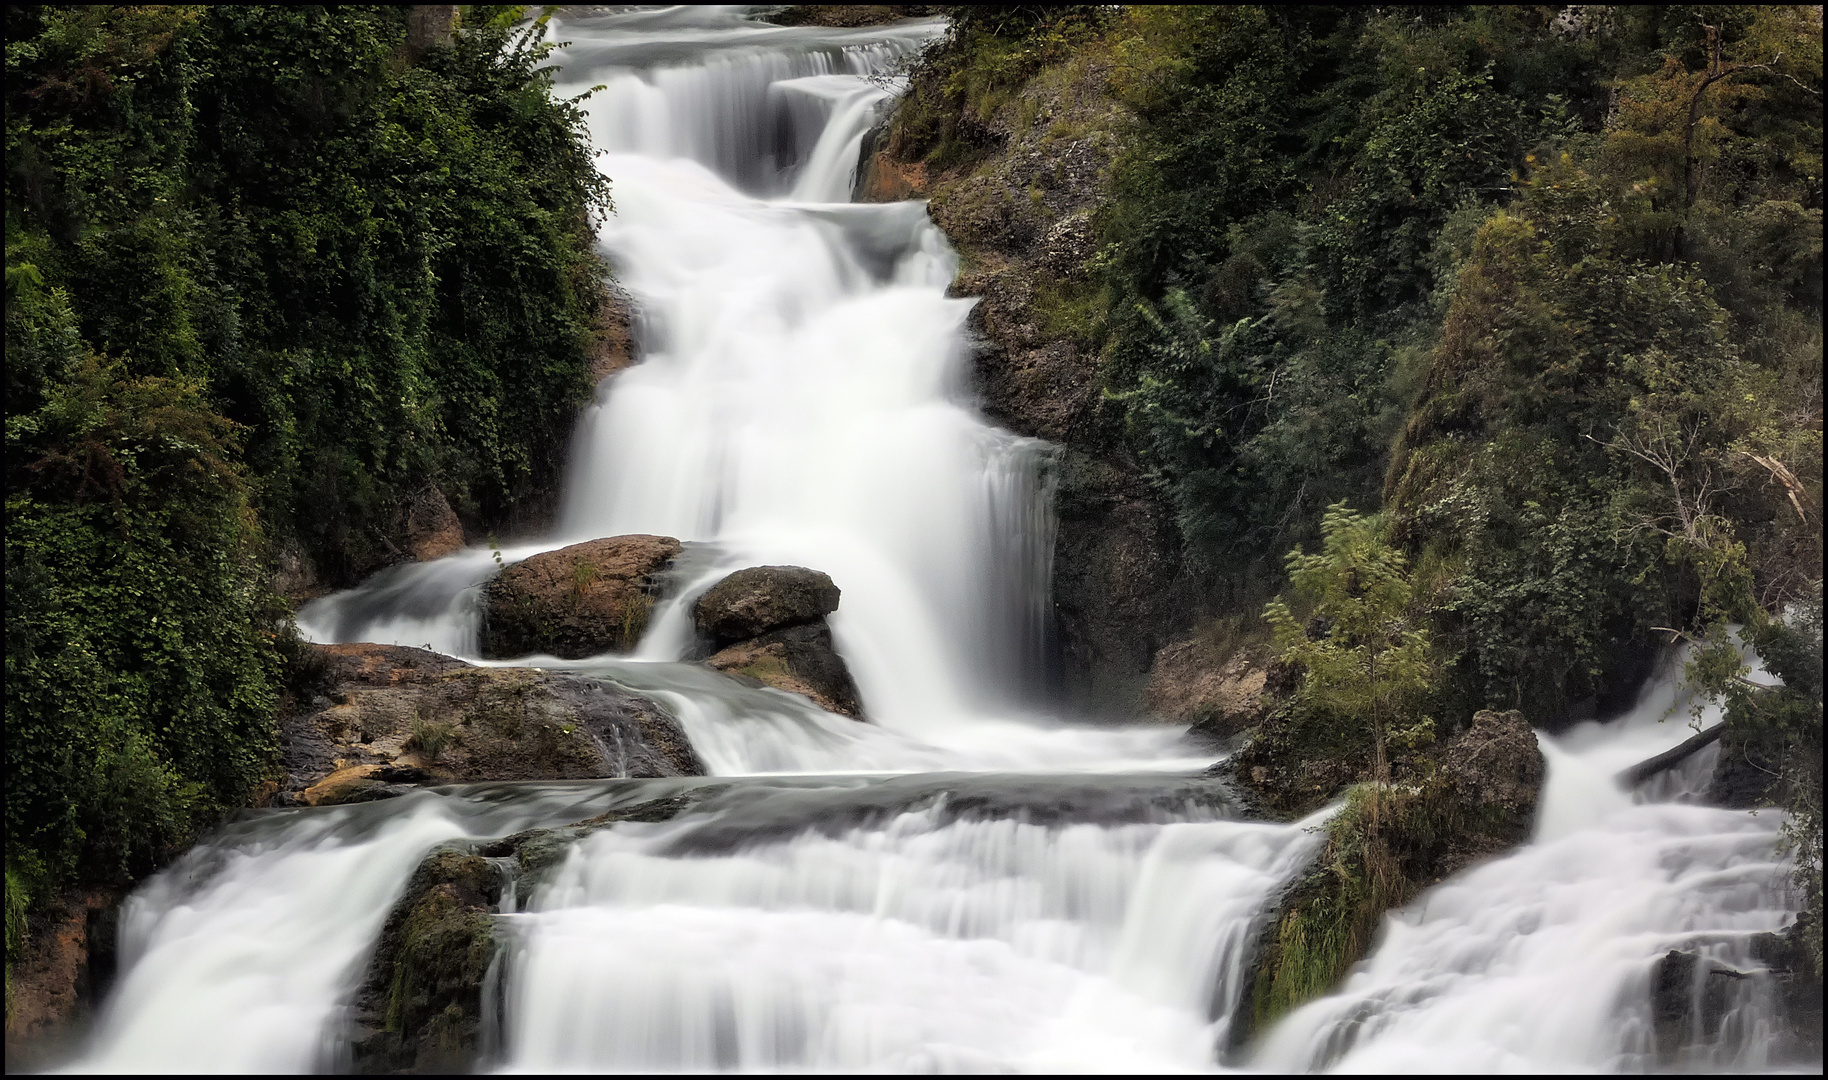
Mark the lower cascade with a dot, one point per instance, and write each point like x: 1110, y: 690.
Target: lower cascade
x: 952, y: 879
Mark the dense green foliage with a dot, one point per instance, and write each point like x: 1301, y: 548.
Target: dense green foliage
x: 1452, y: 256
x: 1546, y: 285
x: 1542, y: 286
x: 1364, y: 657
x: 270, y: 278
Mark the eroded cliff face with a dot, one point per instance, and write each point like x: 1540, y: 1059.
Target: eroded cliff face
x: 1020, y: 217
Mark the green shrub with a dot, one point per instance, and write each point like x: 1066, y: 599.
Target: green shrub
x: 267, y: 277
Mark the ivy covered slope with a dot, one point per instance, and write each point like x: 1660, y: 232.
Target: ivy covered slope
x: 273, y: 279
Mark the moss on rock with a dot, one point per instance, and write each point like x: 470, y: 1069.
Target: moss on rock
x: 425, y: 983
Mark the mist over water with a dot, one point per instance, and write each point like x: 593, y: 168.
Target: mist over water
x: 963, y: 883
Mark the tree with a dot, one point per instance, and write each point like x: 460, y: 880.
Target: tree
x: 1366, y: 659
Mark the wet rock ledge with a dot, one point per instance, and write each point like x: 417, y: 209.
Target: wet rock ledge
x: 381, y: 719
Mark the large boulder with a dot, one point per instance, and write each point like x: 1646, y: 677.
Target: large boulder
x: 1218, y: 693
x: 578, y: 601
x: 382, y: 719
x: 754, y: 601
x: 1497, y: 767
x: 422, y: 1006
x: 799, y: 660
x: 767, y: 624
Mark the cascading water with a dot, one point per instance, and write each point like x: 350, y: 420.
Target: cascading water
x: 958, y: 885
x: 800, y: 402
x: 1542, y: 960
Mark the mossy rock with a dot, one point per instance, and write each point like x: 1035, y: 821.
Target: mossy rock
x: 1474, y: 796
x: 424, y: 985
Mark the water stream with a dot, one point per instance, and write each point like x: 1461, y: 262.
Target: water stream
x: 964, y: 884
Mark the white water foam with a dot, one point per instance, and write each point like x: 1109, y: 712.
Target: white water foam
x: 919, y: 946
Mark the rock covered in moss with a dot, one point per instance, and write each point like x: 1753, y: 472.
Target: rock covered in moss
x: 424, y: 999
x: 421, y: 1006
x: 583, y: 600
x: 1468, y: 798
x: 756, y: 600
x: 383, y: 719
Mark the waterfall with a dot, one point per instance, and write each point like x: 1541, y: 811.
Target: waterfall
x: 962, y: 884
x: 801, y: 400
x: 1541, y: 960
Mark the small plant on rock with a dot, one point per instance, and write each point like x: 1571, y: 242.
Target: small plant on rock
x: 430, y: 737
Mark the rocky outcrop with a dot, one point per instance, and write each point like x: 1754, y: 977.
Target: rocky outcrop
x: 421, y: 1007
x: 799, y: 660
x: 762, y: 598
x: 432, y: 529
x: 62, y: 970
x: 1692, y: 996
x: 422, y: 1003
x: 612, y: 340
x: 384, y: 719
x: 1747, y: 772
x: 578, y: 601
x: 1019, y: 216
x: 1495, y: 769
x: 1470, y: 797
x: 1219, y: 693
x: 1791, y: 965
x: 1689, y: 999
x: 767, y: 624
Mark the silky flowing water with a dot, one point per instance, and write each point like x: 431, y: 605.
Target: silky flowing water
x: 963, y: 884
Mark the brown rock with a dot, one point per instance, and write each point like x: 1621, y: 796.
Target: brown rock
x: 763, y: 598
x: 363, y: 783
x: 432, y: 528
x: 799, y: 660
x: 1218, y: 692
x: 578, y: 601
x: 390, y: 718
x: 612, y: 340
x: 54, y: 982
x: 1497, y: 763
x: 887, y: 180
